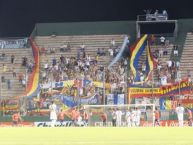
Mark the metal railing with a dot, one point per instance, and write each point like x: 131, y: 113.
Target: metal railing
x: 152, y: 17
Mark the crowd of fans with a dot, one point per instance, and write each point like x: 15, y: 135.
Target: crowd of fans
x: 84, y: 66
x: 166, y: 70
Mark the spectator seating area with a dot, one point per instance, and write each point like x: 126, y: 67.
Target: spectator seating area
x: 161, y: 53
x: 79, y: 49
x: 15, y: 69
x: 90, y: 42
x: 162, y: 56
x: 78, y: 57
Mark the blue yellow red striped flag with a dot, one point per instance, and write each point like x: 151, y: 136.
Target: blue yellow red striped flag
x: 149, y: 62
x: 136, y: 52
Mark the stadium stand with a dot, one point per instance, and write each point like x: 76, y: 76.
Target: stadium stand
x: 65, y: 57
x: 6, y: 71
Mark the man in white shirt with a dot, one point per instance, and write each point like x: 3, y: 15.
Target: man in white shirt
x: 113, y: 42
x: 169, y: 64
x: 162, y: 40
x: 175, y: 52
x: 133, y: 117
x: 63, y: 47
x: 164, y: 80
x: 53, y: 114
x: 114, y: 118
x: 128, y: 118
x: 82, y: 47
x: 119, y: 117
x: 138, y: 116
x: 180, y: 114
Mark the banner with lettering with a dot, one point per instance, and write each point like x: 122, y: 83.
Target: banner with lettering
x: 13, y: 43
x: 70, y: 83
x: 184, y: 87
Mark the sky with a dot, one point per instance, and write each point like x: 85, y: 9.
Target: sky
x: 18, y: 17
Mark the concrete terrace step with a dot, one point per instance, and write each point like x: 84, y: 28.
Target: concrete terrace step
x: 186, y: 62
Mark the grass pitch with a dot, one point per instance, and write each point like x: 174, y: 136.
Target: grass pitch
x: 96, y: 136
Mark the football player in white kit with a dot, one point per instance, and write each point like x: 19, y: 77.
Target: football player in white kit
x: 133, y: 117
x: 128, y: 118
x: 180, y: 113
x: 119, y: 117
x: 53, y: 114
x: 138, y: 116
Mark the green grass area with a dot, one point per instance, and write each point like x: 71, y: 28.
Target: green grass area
x: 96, y: 136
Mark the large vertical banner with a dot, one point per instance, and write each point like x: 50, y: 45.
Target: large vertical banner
x: 33, y: 82
x: 33, y: 86
x: 136, y: 53
x: 149, y: 63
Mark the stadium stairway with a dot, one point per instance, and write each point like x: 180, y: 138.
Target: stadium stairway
x: 187, y: 59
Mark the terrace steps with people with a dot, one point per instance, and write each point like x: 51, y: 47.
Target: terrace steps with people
x: 16, y: 87
x: 186, y: 62
x: 163, y: 60
x: 91, y: 42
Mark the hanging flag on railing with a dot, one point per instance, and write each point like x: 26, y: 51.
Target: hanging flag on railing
x: 136, y: 53
x: 149, y: 62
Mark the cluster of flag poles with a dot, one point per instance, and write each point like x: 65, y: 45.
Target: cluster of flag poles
x: 136, y: 52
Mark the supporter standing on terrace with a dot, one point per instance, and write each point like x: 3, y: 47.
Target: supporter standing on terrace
x: 161, y: 52
x: 175, y: 47
x: 68, y: 46
x: 24, y: 61
x: 99, y: 52
x: 2, y: 56
x: 112, y: 42
x: 165, y: 52
x: 8, y: 84
x: 12, y: 59
x: 152, y: 39
x: 63, y: 48
x: 82, y: 47
x: 14, y: 71
x: 162, y: 40
x: 4, y: 68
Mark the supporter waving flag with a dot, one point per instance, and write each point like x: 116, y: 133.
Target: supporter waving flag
x: 136, y: 53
